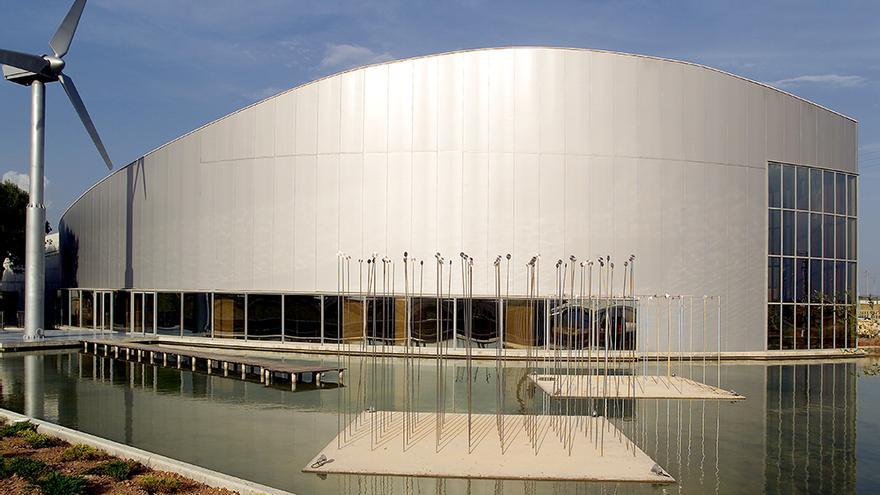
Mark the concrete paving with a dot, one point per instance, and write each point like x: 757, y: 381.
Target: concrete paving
x: 595, y: 455
x: 632, y: 387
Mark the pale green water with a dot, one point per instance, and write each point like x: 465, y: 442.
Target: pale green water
x: 805, y: 427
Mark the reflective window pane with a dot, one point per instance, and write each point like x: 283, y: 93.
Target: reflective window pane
x: 787, y: 326
x: 774, y: 185
x: 815, y: 190
x: 802, y: 277
x: 840, y: 193
x: 75, y: 308
x: 802, y: 244
x: 815, y: 235
x: 815, y: 281
x: 264, y: 317
x: 302, y: 318
x: 789, y: 184
x: 480, y: 318
x: 815, y: 339
x: 352, y: 315
x: 828, y: 236
x: 787, y: 279
x: 828, y: 327
x: 840, y: 237
x: 229, y: 316
x: 774, y: 232
x: 828, y: 189
x: 851, y: 239
x: 801, y: 327
x: 197, y: 314
x: 168, y: 313
x: 788, y: 233
x: 851, y: 283
x: 88, y: 308
x: 426, y: 325
x: 524, y: 323
x: 827, y: 282
x: 121, y: 310
x: 773, y: 279
x: 852, y: 195
x: 773, y: 326
x: 840, y: 281
x: 803, y: 188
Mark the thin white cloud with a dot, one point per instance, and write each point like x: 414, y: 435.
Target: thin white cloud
x: 832, y: 80
x: 346, y: 56
x: 19, y: 179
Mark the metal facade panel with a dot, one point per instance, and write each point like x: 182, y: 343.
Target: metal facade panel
x: 243, y: 134
x: 375, y: 212
x: 376, y: 109
x: 623, y: 194
x: 449, y: 103
x: 601, y: 117
x: 649, y: 224
x: 424, y: 211
x: 264, y: 128
x: 527, y: 107
x: 775, y: 118
x: 284, y: 247
x: 306, y: 133
x: 243, y: 224
x: 425, y: 96
x: 694, y: 96
x: 735, y: 307
x: 500, y: 239
x: 400, y: 107
x: 809, y: 141
x: 624, y: 74
x: 207, y: 237
x: 173, y: 217
x: 717, y: 117
x: 264, y: 220
x: 329, y: 117
x: 551, y: 101
x: 736, y: 143
x: 327, y: 218
x: 285, y: 123
x: 351, y: 205
x: 501, y: 101
x: 305, y: 199
x: 671, y: 193
x: 449, y: 204
x: 351, y: 123
x: 577, y: 102
x: 475, y: 218
x: 399, y: 210
x: 791, y: 129
x: 551, y: 208
x: 757, y: 127
x: 475, y: 101
x: 651, y: 130
x: 526, y: 216
x: 223, y: 224
x: 577, y: 206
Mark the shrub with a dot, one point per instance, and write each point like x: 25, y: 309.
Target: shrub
x: 36, y: 440
x: 158, y: 483
x: 56, y: 483
x: 16, y: 428
x: 81, y: 453
x: 29, y: 469
x: 117, y: 469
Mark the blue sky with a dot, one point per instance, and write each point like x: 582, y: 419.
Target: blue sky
x: 151, y: 71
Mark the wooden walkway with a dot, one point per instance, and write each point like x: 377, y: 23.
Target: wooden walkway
x: 268, y: 370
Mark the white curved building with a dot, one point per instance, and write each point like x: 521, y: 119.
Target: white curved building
x: 525, y: 151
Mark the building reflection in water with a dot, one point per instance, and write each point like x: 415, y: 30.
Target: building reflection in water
x: 795, y: 432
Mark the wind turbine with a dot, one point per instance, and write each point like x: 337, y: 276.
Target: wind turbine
x: 35, y: 71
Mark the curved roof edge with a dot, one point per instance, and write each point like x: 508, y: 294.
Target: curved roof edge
x: 439, y: 54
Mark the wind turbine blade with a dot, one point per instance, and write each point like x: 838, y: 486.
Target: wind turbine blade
x: 23, y: 61
x: 80, y: 108
x: 60, y: 41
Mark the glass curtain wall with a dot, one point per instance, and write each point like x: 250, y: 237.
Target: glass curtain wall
x: 264, y: 317
x: 121, y: 310
x: 811, y: 270
x: 229, y: 316
x: 168, y: 313
x: 302, y: 318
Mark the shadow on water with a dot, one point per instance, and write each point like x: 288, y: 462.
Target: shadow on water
x: 796, y: 432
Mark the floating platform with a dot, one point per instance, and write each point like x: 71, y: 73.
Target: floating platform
x: 214, y: 362
x: 595, y: 455
x: 629, y: 387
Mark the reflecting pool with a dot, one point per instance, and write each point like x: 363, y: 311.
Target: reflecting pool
x: 806, y: 426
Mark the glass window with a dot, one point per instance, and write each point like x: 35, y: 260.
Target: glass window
x: 840, y: 236
x: 264, y: 317
x: 75, y: 308
x: 802, y: 269
x: 851, y: 282
x: 789, y: 183
x: 840, y: 193
x: 815, y: 190
x: 815, y: 235
x: 482, y: 318
x: 774, y: 233
x: 827, y: 281
x: 840, y: 282
x: 229, y: 316
x: 815, y: 315
x: 828, y: 188
x: 852, y: 194
x: 788, y: 279
x: 801, y: 327
x: 197, y: 314
x: 525, y: 323
x: 828, y: 327
x: 352, y: 317
x: 787, y: 326
x: 815, y: 281
x: 426, y: 326
x: 773, y: 277
x: 88, y: 308
x: 121, y: 310
x: 149, y: 312
x: 168, y: 313
x: 828, y: 236
x: 788, y: 233
x: 803, y: 188
x: 802, y: 244
x: 851, y: 239
x: 774, y: 185
x: 773, y: 325
x: 302, y: 318
x: 839, y: 326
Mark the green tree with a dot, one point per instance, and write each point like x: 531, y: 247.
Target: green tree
x: 13, y: 204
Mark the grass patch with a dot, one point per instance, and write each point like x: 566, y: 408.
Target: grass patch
x: 36, y: 440
x: 117, y: 469
x: 29, y: 469
x: 56, y: 483
x: 16, y: 428
x: 81, y: 453
x: 158, y: 483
